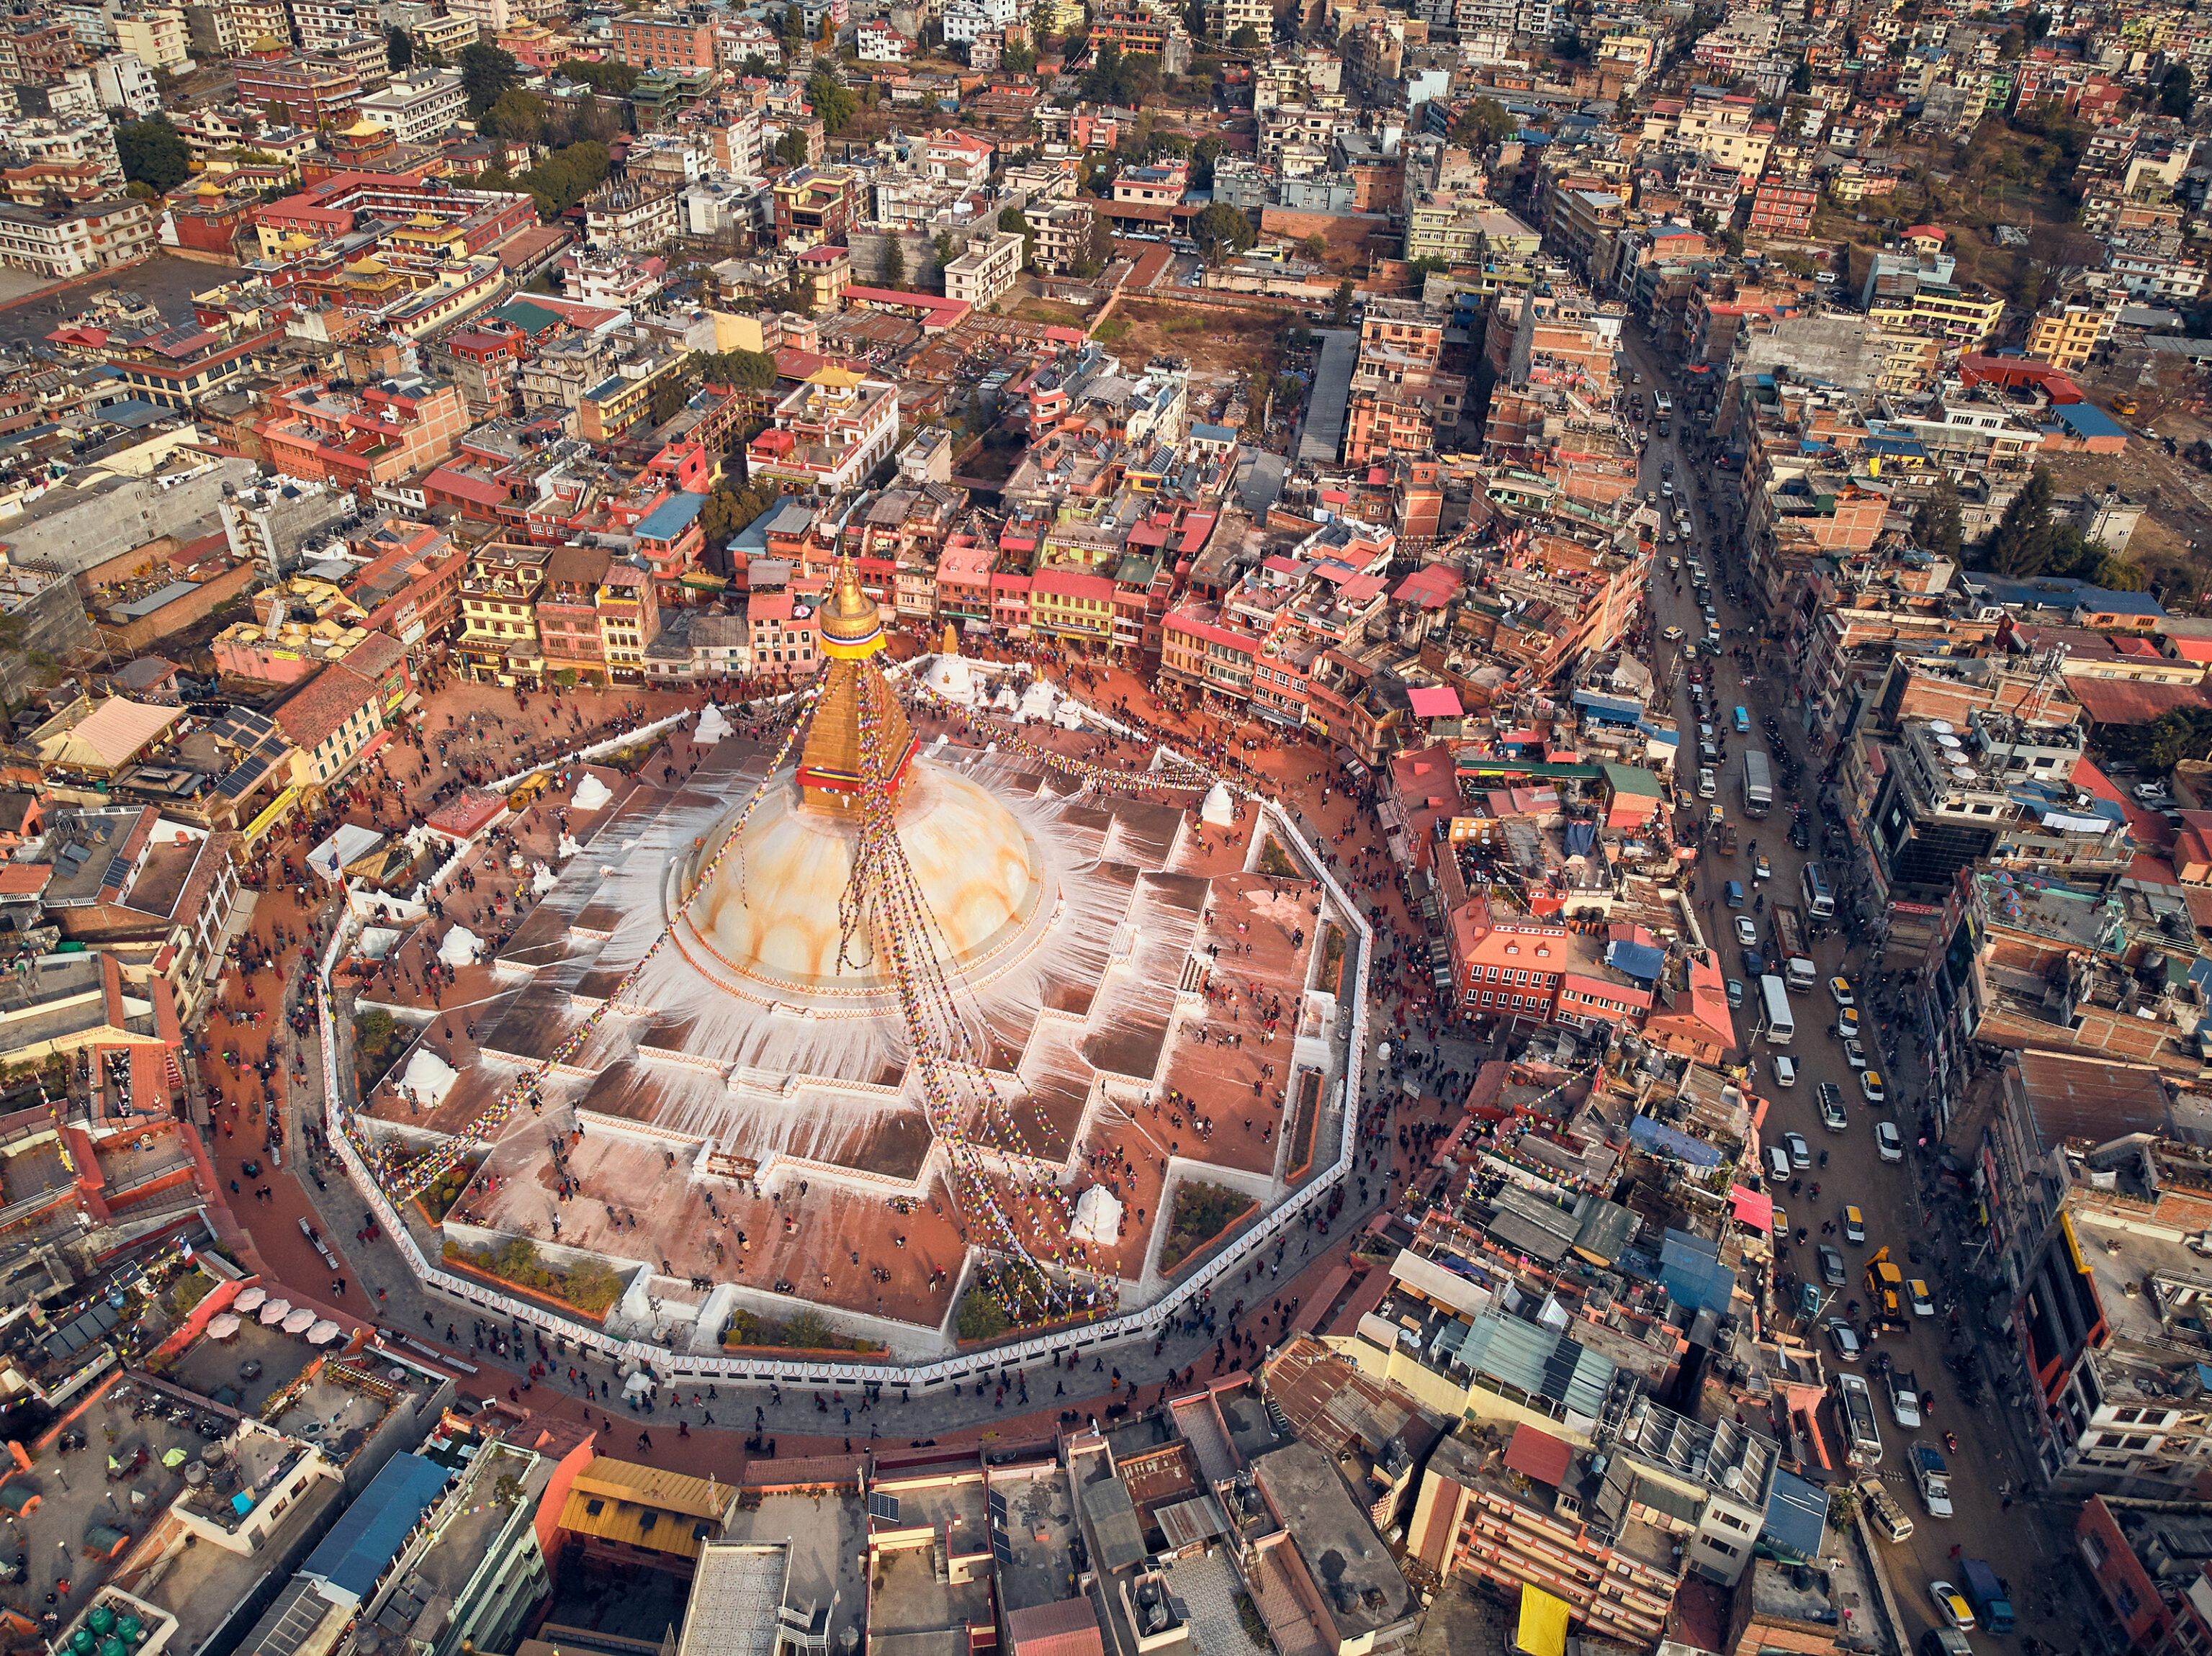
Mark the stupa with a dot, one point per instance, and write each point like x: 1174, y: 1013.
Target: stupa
x: 768, y: 922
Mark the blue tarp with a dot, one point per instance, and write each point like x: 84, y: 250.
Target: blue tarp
x: 1651, y: 1135
x: 1638, y: 960
x: 1690, y: 1270
x: 1580, y: 837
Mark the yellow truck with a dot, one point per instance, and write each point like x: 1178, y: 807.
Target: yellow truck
x: 1885, y: 1285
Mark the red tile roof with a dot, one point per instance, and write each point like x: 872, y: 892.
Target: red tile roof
x: 1541, y: 1455
x: 1069, y: 1627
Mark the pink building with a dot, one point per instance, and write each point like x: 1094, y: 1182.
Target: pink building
x: 785, y: 638
x: 1009, y: 603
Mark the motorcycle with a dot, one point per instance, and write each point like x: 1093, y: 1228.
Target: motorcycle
x: 1951, y: 1442
x: 1824, y: 1158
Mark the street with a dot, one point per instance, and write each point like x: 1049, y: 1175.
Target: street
x: 1900, y: 1202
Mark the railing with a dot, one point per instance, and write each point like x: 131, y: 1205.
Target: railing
x: 1144, y: 1323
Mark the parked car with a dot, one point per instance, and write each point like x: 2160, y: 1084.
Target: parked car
x: 1854, y: 1227
x: 1785, y: 1071
x: 1841, y: 989
x: 1832, y: 1266
x: 1845, y: 1338
x: 1887, y: 1141
x: 1746, y: 932
x: 1924, y: 1304
x: 1951, y: 1604
x: 1735, y: 994
x: 1672, y: 635
x: 1870, y: 1086
x: 1854, y: 1055
x: 1801, y: 1153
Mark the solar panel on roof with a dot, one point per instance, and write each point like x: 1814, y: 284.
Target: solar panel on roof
x: 118, y: 874
x: 885, y: 1507
x: 997, y: 1504
x: 1001, y: 1548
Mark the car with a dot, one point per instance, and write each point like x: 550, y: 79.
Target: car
x: 1799, y: 835
x: 1870, y: 1086
x: 1781, y: 1220
x: 1888, y: 1141
x: 1754, y: 964
x: 1663, y: 427
x: 1845, y: 1339
x: 1904, y: 1401
x: 1672, y: 635
x: 1801, y: 1153
x: 1778, y: 1165
x: 1711, y: 618
x: 2150, y: 793
x: 1705, y: 732
x: 1665, y: 488
x: 1841, y: 989
x: 1732, y: 894
x: 1707, y: 786
x: 1951, y: 1604
x: 1847, y: 1024
x: 1854, y: 1227
x: 1735, y: 994
x: 1924, y: 1303
x: 1674, y: 563
x: 1671, y: 537
x: 1832, y: 1116
x: 1832, y: 1266
x: 1746, y: 932
x: 1785, y: 1071
x: 251, y: 1169
x: 1761, y: 869
x: 1854, y: 1053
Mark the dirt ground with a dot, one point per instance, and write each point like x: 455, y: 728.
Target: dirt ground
x: 2175, y: 532
x: 1225, y: 341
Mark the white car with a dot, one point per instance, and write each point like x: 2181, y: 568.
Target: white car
x: 1870, y: 1086
x: 1801, y: 1153
x: 1706, y: 785
x: 1672, y: 635
x: 1841, y: 989
x: 1952, y: 1604
x: 1845, y: 1339
x: 1854, y: 1055
x: 1674, y: 563
x: 1888, y: 1141
x: 2151, y: 792
x: 1746, y: 932
x: 1785, y: 1072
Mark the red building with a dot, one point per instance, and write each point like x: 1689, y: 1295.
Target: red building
x: 664, y: 43
x: 1783, y: 207
x: 302, y: 92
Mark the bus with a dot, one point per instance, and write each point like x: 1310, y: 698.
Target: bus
x: 1781, y: 1024
x: 1819, y: 901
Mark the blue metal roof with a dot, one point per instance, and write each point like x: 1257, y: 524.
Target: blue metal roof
x: 1796, y: 1513
x: 368, y: 1534
x: 1639, y: 961
x: 671, y: 518
x: 2087, y: 420
x: 1690, y: 1267
x: 1649, y: 1135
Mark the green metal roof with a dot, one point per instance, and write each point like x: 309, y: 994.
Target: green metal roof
x: 1540, y: 1359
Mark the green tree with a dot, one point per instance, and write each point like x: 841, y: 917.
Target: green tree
x: 1483, y: 123
x: 941, y: 246
x: 1014, y: 218
x: 1340, y: 307
x: 807, y: 1329
x: 2116, y: 574
x: 893, y: 271
x: 980, y: 1317
x: 613, y: 79
x: 834, y: 104
x: 795, y: 32
x: 1246, y: 39
x: 153, y: 153
x: 2177, y: 92
x: 791, y: 147
x: 741, y: 370
x: 1801, y: 78
x: 517, y: 114
x: 1222, y: 231
x: 1315, y: 248
x: 487, y: 73
x: 2021, y: 545
x: 2182, y: 733
x: 1427, y: 266
x: 753, y: 64
x: 399, y: 49
x: 669, y: 397
x: 1937, y: 525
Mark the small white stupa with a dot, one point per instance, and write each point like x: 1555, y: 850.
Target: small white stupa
x: 1040, y: 701
x: 1071, y: 715
x: 1219, y: 809
x: 591, y: 794
x: 458, y: 948
x: 1004, y: 702
x: 543, y: 879
x: 567, y: 848
x: 947, y: 673
x: 1098, y: 1216
x: 428, y: 1077
x: 712, y: 726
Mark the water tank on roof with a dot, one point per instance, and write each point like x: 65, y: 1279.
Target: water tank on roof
x: 102, y: 1620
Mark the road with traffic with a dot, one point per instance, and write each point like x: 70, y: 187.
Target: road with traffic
x: 1901, y: 1204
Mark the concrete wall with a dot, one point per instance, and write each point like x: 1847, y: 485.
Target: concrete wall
x: 135, y: 637
x: 72, y: 529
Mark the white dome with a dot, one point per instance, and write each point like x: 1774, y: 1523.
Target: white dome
x: 771, y: 913
x: 1218, y: 810
x: 1098, y: 1216
x: 949, y: 677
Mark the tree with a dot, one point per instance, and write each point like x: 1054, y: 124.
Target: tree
x: 614, y: 80
x: 487, y: 73
x: 1936, y: 525
x: 2116, y: 574
x: 669, y: 397
x: 791, y: 147
x: 2177, y: 92
x: 1221, y: 230
x: 1014, y: 218
x: 1801, y: 78
x: 1340, y: 307
x: 834, y: 104
x: 741, y: 370
x: 1246, y: 39
x: 399, y: 49
x: 893, y: 271
x: 1427, y: 266
x: 2021, y: 545
x: 153, y: 154
x: 1483, y: 123
x: 517, y: 114
x: 980, y: 1317
x: 794, y: 31
x: 1315, y: 248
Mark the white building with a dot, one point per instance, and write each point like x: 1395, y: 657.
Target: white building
x: 69, y: 241
x: 416, y: 108
x: 156, y: 34
x: 322, y: 23
x: 989, y: 268
x: 968, y: 20
x: 125, y: 83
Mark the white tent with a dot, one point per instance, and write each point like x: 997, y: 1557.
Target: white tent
x: 428, y: 1077
x: 1098, y: 1215
x: 1218, y: 810
x: 348, y: 845
x: 638, y: 1384
x: 591, y: 794
x: 712, y: 726
x: 459, y: 949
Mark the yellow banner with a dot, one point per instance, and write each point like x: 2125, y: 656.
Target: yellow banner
x: 272, y: 814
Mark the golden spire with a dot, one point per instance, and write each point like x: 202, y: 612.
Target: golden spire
x: 829, y: 768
